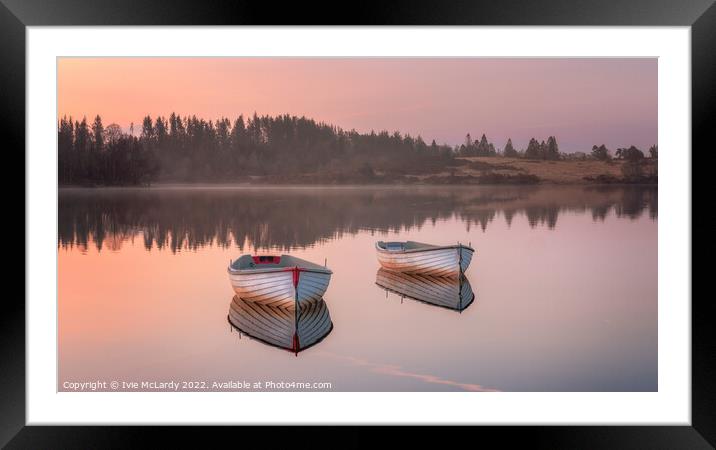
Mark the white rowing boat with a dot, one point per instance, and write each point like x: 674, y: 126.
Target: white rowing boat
x: 452, y: 293
x: 426, y: 259
x: 278, y: 281
x: 294, y: 330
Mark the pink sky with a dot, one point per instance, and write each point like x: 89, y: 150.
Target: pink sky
x: 580, y: 101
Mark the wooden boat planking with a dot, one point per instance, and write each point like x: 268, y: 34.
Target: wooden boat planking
x: 426, y: 259
x: 284, y: 284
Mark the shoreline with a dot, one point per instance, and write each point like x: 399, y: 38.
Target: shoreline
x: 178, y: 186
x: 466, y: 171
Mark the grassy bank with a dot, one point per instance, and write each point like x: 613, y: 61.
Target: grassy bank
x: 525, y: 171
x: 482, y: 170
x: 487, y: 170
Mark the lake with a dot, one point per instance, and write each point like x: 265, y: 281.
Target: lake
x: 564, y: 282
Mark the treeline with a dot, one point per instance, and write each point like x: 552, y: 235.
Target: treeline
x: 549, y: 150
x: 275, y: 149
x: 631, y: 154
x: 535, y: 149
x: 95, y: 155
x: 476, y: 148
x: 193, y: 149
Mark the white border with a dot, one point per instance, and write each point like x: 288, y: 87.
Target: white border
x: 670, y: 405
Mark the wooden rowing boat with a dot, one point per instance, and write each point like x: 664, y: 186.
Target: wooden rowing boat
x: 279, y: 281
x: 426, y: 259
x: 451, y: 293
x: 294, y: 330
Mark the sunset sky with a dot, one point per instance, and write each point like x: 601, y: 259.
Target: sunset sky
x: 581, y: 101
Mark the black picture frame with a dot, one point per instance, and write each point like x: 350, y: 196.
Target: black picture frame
x: 700, y: 15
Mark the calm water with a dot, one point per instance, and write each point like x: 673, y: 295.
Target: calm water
x: 565, y: 284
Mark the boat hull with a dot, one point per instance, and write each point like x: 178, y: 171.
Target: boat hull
x: 289, y: 329
x: 452, y: 293
x: 282, y: 288
x: 440, y: 262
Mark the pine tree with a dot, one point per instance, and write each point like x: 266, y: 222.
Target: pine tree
x: 533, y: 150
x: 160, y: 130
x: 509, y: 151
x: 65, y: 156
x: 552, y: 148
x: 98, y: 133
x: 483, y: 148
x: 147, y: 130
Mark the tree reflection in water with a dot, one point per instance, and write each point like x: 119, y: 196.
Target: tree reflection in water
x: 285, y: 218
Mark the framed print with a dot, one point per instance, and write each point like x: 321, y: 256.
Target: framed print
x: 411, y: 216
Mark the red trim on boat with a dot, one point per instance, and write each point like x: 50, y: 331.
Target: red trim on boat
x: 296, y: 343
x: 296, y: 274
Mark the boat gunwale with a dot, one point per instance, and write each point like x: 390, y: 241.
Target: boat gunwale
x: 259, y: 270
x: 421, y: 250
x: 302, y: 265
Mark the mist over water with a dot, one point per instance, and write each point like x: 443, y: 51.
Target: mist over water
x: 564, y: 282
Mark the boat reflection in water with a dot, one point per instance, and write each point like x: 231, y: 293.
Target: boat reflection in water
x: 451, y: 293
x: 290, y: 329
